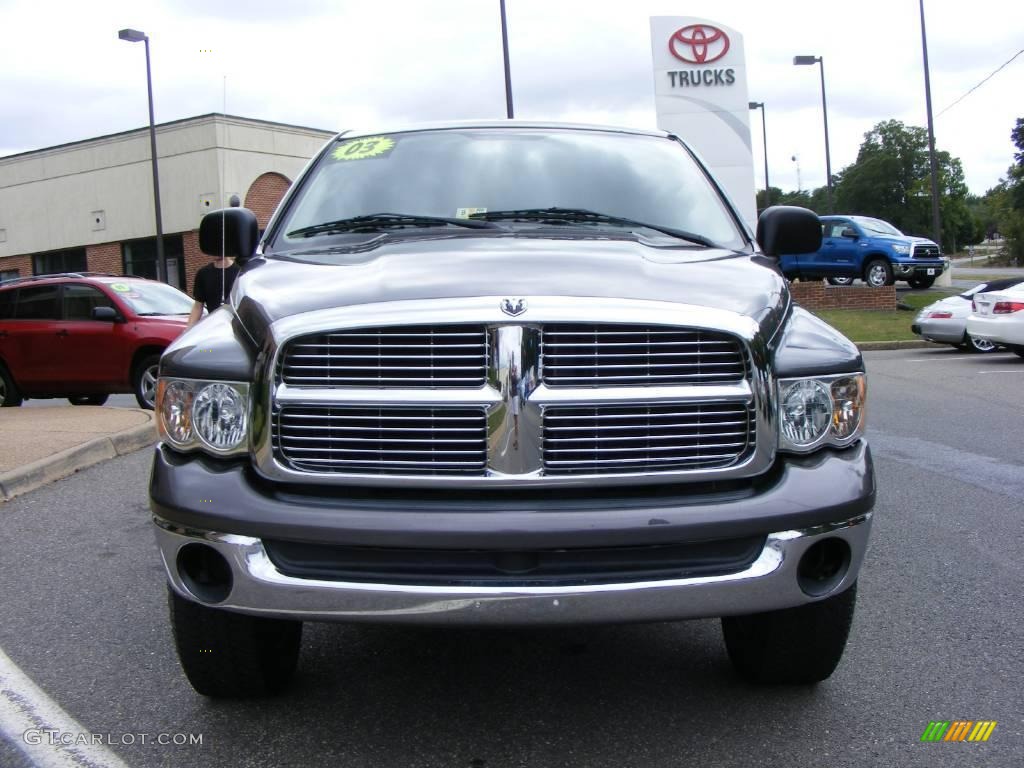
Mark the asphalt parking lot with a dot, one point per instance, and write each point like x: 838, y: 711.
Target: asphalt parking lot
x: 938, y: 635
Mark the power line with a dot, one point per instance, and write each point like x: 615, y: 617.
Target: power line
x: 1018, y: 53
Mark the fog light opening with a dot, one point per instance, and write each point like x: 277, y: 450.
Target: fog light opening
x: 205, y: 572
x: 823, y: 566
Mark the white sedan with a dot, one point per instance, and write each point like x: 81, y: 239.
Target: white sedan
x: 999, y: 317
x: 945, y: 321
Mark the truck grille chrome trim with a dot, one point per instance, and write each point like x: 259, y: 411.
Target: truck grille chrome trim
x: 616, y: 439
x: 629, y: 355
x: 586, y: 393
x: 432, y: 441
x: 409, y: 356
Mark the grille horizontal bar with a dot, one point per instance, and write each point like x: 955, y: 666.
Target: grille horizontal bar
x: 400, y: 356
x: 636, y: 355
x: 359, y: 440
x: 645, y: 438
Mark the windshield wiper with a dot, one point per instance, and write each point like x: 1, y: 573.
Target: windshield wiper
x: 375, y: 222
x: 585, y: 216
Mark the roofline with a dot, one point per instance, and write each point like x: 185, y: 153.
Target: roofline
x: 170, y: 123
x: 457, y: 124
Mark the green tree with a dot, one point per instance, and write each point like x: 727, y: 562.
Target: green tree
x: 891, y: 180
x: 1007, y: 199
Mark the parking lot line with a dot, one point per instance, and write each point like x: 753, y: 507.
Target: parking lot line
x: 1009, y: 370
x: 34, y: 723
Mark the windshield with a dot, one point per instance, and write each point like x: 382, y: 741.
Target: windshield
x: 152, y: 298
x: 491, y: 174
x: 878, y: 226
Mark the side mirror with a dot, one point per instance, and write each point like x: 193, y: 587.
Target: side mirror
x: 850, y: 233
x: 788, y: 229
x: 233, y: 229
x: 104, y: 313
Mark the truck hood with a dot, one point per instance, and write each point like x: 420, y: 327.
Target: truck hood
x: 269, y: 289
x: 903, y: 239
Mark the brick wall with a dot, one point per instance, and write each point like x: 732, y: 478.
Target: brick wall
x: 21, y: 263
x: 194, y: 258
x: 820, y: 295
x: 105, y: 258
x: 264, y: 195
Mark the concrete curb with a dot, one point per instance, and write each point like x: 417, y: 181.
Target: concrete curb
x: 870, y: 346
x: 63, y: 463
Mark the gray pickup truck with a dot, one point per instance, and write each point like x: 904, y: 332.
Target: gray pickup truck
x: 509, y: 374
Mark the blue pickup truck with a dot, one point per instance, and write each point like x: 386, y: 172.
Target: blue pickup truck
x: 870, y: 249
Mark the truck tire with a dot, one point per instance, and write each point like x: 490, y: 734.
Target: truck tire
x: 144, y: 381
x: 9, y: 394
x: 878, y: 273
x: 921, y: 283
x: 800, y: 645
x: 841, y: 280
x: 233, y: 655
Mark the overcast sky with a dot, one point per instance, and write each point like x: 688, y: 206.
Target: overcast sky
x: 335, y: 64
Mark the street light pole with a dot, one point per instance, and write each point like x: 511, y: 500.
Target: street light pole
x: 764, y: 137
x: 805, y: 60
x: 936, y: 219
x: 135, y: 36
x: 504, y: 50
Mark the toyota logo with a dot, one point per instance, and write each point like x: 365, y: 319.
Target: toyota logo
x: 698, y: 44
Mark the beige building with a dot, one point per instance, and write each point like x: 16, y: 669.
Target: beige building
x: 88, y: 205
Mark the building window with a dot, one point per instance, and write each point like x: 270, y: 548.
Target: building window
x: 9, y: 274
x: 71, y: 260
x: 140, y: 258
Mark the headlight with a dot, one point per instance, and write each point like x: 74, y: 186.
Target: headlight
x: 901, y: 249
x: 824, y: 410
x: 218, y: 416
x: 211, y: 415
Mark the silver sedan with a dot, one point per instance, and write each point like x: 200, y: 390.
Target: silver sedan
x: 945, y: 321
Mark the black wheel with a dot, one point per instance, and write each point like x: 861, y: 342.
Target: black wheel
x: 974, y: 344
x: 144, y: 381
x: 88, y: 399
x: 9, y: 394
x: 878, y: 273
x: 1019, y: 351
x: 921, y: 282
x: 840, y: 280
x: 797, y: 646
x: 232, y: 655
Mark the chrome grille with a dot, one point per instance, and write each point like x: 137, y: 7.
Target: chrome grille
x: 391, y: 440
x: 637, y: 355
x: 646, y: 438
x: 922, y: 251
x: 404, y: 356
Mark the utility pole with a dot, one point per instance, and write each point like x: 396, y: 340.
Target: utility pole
x: 936, y: 218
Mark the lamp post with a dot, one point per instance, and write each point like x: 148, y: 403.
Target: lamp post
x: 135, y: 36
x: 936, y: 220
x: 504, y: 51
x: 811, y: 60
x: 764, y: 137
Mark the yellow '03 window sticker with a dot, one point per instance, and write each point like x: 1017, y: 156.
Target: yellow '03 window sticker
x: 120, y: 287
x: 364, y: 148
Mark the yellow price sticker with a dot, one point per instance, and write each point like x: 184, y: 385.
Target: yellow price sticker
x: 361, y: 149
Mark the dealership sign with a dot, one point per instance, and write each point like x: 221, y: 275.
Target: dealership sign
x: 700, y: 92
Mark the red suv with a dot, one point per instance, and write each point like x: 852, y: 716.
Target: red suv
x: 85, y: 336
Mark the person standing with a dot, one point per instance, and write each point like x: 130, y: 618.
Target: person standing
x: 211, y: 287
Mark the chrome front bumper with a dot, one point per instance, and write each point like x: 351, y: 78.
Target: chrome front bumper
x: 769, y: 583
